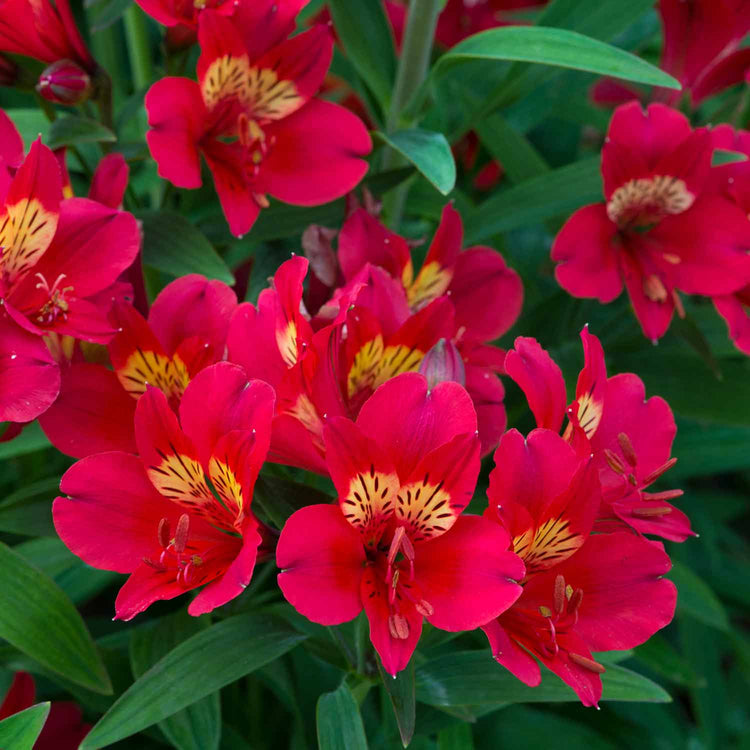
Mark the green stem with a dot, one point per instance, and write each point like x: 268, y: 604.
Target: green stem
x: 139, y: 49
x: 412, y: 71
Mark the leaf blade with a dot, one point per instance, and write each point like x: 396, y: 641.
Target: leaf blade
x: 338, y: 721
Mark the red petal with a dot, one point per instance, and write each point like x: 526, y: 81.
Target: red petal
x: 321, y: 559
x: 587, y: 255
x: 507, y: 652
x: 737, y: 316
x: 112, y: 515
x: 486, y: 293
x: 467, y: 575
x: 178, y: 120
x: 541, y: 380
x: 487, y: 392
x: 408, y: 421
x: 110, y: 180
x: 93, y: 413
x: 20, y: 695
x: 653, y: 315
x: 317, y: 155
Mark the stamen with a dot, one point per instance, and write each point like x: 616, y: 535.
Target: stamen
x: 155, y: 565
x: 424, y: 608
x: 666, y: 495
x: 661, y: 510
x: 559, y: 594
x: 575, y: 601
x: 678, y: 305
x: 162, y: 533
x: 614, y: 462
x: 654, y: 289
x: 398, y: 626
x: 586, y: 663
x: 627, y: 449
x: 656, y: 473
x: 181, y: 533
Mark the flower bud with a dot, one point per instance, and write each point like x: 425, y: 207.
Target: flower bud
x: 65, y: 82
x: 443, y: 362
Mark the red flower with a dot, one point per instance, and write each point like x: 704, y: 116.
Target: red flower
x: 659, y: 231
x: 581, y: 593
x: 154, y: 516
x: 630, y: 437
x: 49, y: 285
x: 43, y: 30
x: 64, y: 728
x: 185, y: 332
x: 253, y: 117
x: 396, y: 544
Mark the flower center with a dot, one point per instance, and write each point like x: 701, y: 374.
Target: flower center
x: 646, y: 200
x: 176, y: 555
x: 56, y: 305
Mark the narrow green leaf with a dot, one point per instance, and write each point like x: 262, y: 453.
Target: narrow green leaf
x: 339, y: 723
x: 20, y: 731
x: 520, y: 160
x: 457, y: 737
x: 31, y: 123
x: 559, y: 47
x: 173, y: 245
x: 724, y: 156
x: 30, y: 602
x: 474, y: 678
x: 559, y: 191
x: 365, y: 33
x: 604, y: 20
x: 109, y: 13
x: 198, y: 726
x: 659, y: 655
x: 402, y: 694
x: 278, y: 498
x: 429, y: 152
x: 696, y: 598
x: 196, y: 668
x: 73, y: 131
x: 28, y: 510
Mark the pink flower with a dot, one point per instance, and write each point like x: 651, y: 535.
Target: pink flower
x: 253, y: 117
x: 581, y: 593
x: 629, y: 437
x: 154, y: 516
x: 396, y: 544
x: 659, y: 230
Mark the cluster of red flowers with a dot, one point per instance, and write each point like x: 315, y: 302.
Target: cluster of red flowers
x: 356, y: 366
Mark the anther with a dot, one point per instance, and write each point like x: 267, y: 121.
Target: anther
x: 575, y: 601
x: 666, y: 495
x: 424, y: 608
x: 559, y: 594
x: 613, y: 461
x: 590, y: 664
x: 627, y: 449
x: 398, y: 626
x: 181, y: 533
x: 661, y: 510
x: 163, y: 533
x: 656, y: 473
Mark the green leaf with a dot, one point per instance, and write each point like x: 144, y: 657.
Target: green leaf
x: 429, y: 152
x: 474, y: 678
x: 196, y: 668
x: 74, y: 130
x: 401, y: 692
x: 457, y: 737
x: 278, y: 498
x: 658, y: 654
x: 37, y: 618
x: 28, y: 510
x: 365, y: 33
x: 339, y: 723
x: 30, y: 440
x: 197, y: 727
x: 695, y: 598
x: 559, y: 47
x: 724, y: 156
x: 20, y: 731
x: 559, y: 191
x: 173, y: 245
x: 31, y: 123
x: 520, y: 160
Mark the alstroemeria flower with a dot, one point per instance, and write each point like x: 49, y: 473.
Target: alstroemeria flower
x: 64, y: 728
x: 629, y: 436
x: 43, y: 30
x: 185, y: 332
x: 155, y: 515
x: 396, y: 544
x: 49, y: 286
x: 581, y: 593
x: 658, y: 231
x: 253, y: 117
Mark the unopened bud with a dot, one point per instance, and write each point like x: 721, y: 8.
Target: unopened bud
x: 65, y: 82
x: 442, y: 363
